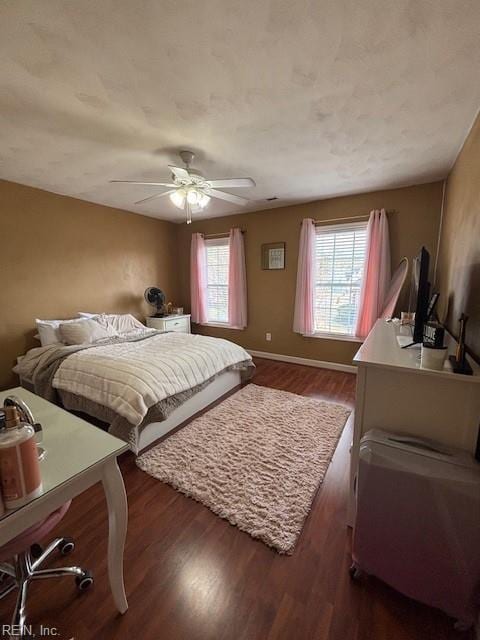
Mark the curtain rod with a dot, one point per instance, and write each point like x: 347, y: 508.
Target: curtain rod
x: 219, y: 235
x: 365, y: 216
x: 320, y: 222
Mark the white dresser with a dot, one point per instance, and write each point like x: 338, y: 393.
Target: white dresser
x: 180, y: 324
x: 395, y: 394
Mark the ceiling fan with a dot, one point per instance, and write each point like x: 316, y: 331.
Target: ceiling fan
x: 190, y: 191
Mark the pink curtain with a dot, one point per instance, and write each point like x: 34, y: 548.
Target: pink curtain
x: 237, y: 281
x: 376, y: 273
x: 198, y: 279
x: 303, y: 318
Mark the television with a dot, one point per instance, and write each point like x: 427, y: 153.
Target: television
x: 419, y: 293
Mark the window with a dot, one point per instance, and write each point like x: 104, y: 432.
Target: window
x: 338, y: 272
x: 217, y: 279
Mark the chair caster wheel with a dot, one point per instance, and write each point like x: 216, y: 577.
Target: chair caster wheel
x: 84, y: 581
x: 355, y: 572
x: 66, y: 546
x: 36, y: 551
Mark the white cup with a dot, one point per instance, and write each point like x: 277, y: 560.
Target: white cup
x: 433, y: 357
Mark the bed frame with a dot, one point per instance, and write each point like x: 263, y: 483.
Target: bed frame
x: 221, y: 386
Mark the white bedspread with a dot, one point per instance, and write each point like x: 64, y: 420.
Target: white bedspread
x: 131, y: 377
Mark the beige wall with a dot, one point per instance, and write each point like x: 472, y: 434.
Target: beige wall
x: 458, y: 276
x: 414, y: 221
x: 59, y: 256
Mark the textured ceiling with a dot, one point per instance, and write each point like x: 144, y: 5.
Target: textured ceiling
x: 311, y: 98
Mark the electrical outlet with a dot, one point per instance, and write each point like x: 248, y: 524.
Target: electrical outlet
x: 268, y: 337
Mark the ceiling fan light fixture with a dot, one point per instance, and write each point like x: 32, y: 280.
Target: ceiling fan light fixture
x: 190, y: 191
x: 192, y: 196
x: 178, y: 198
x: 203, y: 200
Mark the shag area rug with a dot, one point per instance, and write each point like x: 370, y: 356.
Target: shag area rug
x: 256, y: 459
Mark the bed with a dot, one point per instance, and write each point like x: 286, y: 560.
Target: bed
x: 142, y: 385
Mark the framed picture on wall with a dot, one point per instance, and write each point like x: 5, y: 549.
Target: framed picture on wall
x: 273, y: 256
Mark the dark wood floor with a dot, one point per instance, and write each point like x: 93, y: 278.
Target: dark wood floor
x: 190, y: 575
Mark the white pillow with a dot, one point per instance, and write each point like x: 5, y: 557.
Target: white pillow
x: 85, y: 331
x: 121, y: 322
x: 124, y: 323
x: 48, y: 330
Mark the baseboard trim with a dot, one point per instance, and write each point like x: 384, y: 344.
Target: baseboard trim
x: 320, y: 364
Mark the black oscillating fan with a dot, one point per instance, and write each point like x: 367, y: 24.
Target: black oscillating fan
x: 156, y: 297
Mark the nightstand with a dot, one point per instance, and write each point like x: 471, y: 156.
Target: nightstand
x: 180, y: 324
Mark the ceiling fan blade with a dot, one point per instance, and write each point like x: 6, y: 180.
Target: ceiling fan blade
x: 155, y: 184
x: 222, y: 195
x: 179, y: 172
x: 232, y: 183
x: 157, y: 195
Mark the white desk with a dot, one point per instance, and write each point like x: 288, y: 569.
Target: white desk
x: 78, y: 455
x: 395, y: 394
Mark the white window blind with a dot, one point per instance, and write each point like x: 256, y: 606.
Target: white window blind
x: 217, y: 279
x: 339, y: 258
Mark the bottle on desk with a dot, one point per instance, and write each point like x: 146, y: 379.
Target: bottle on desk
x: 19, y: 466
